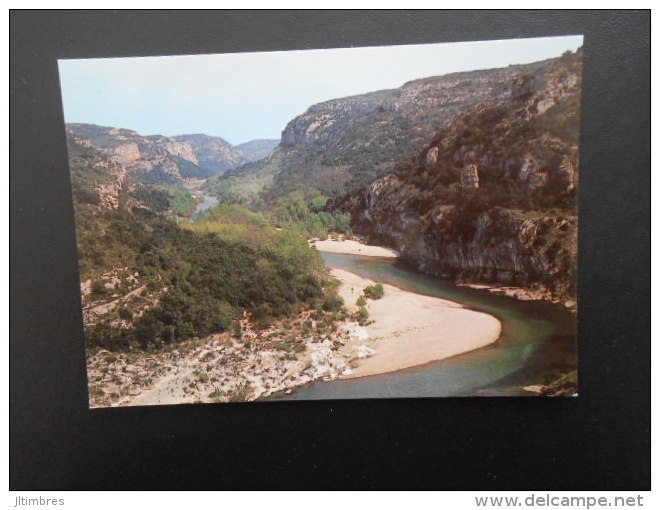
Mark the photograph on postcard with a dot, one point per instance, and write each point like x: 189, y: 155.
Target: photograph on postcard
x: 378, y: 222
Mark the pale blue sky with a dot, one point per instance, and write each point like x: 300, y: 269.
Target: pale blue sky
x: 245, y: 96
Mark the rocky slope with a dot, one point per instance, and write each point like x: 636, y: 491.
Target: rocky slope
x: 492, y: 198
x: 223, y: 368
x: 212, y: 154
x: 162, y: 159
x: 341, y: 145
x: 96, y: 179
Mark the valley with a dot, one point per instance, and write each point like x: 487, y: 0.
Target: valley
x: 419, y: 241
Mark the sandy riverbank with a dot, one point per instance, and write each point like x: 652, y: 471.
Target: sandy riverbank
x: 411, y: 329
x: 350, y: 247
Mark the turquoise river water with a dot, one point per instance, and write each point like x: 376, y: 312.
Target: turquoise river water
x: 537, y: 344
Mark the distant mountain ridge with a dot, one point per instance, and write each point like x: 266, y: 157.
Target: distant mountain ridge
x: 214, y: 154
x: 255, y: 150
x: 158, y: 158
x: 341, y: 145
x: 470, y: 176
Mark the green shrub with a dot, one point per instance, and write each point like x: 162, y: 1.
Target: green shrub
x: 98, y: 289
x: 374, y: 291
x: 284, y: 346
x: 361, y: 301
x: 362, y: 315
x: 332, y: 303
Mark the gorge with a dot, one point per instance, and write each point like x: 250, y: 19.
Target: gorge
x: 195, y: 261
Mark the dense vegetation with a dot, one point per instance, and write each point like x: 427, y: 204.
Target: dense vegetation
x: 159, y: 282
x: 374, y: 291
x: 240, y: 185
x: 161, y: 198
x: 306, y: 213
x: 482, y: 129
x: 204, y: 280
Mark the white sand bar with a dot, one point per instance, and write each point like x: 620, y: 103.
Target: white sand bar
x: 412, y: 329
x: 353, y: 248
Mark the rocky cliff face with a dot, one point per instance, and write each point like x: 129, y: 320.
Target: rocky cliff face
x: 492, y: 198
x: 341, y: 145
x: 161, y: 158
x: 96, y: 179
x: 498, y: 246
x: 103, y: 185
x: 212, y: 154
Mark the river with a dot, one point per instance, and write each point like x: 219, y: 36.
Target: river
x: 207, y: 202
x: 537, y: 344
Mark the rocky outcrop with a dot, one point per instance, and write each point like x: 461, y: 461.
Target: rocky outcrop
x: 432, y: 156
x: 470, y: 176
x: 506, y: 247
x: 341, y: 145
x: 530, y: 172
x: 212, y: 154
x: 125, y: 153
x: 97, y: 179
x: 160, y: 158
x: 111, y: 191
x: 325, y: 122
x: 220, y: 368
x: 491, y: 199
x: 564, y: 386
x: 179, y: 149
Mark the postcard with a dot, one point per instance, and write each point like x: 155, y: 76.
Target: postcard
x: 379, y: 222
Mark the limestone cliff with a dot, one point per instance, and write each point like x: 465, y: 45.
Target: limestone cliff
x: 492, y: 198
x: 160, y: 158
x: 343, y: 144
x: 96, y: 179
x: 212, y: 154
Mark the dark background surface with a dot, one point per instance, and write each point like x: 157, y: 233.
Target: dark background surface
x: 600, y: 440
